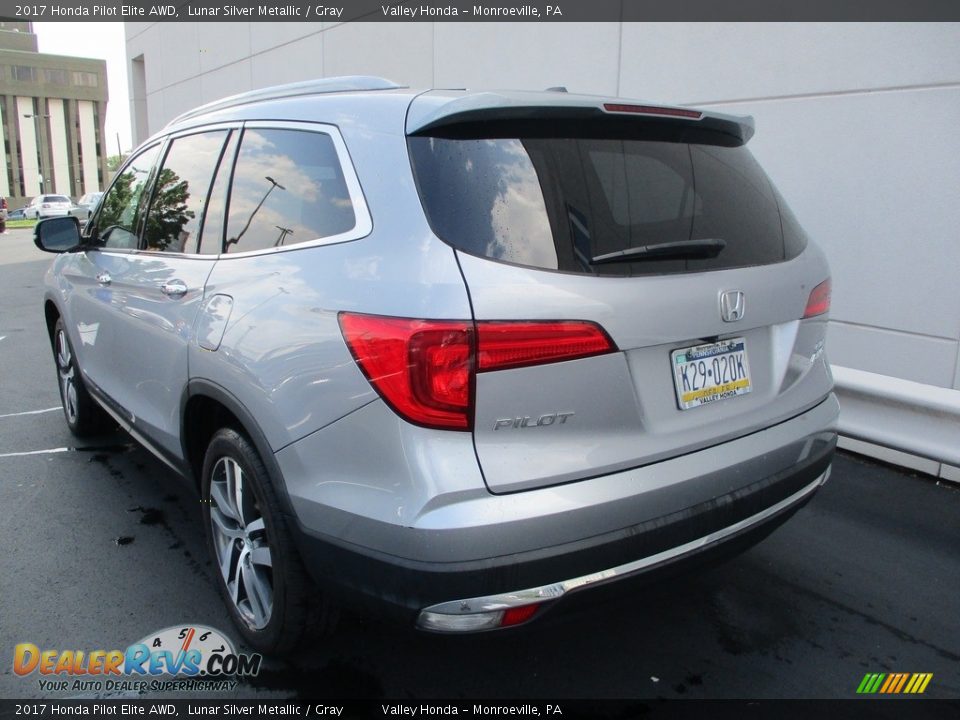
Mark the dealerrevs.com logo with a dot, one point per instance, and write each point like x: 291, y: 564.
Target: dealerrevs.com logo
x: 184, y: 657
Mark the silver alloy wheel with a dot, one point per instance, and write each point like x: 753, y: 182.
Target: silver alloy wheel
x: 68, y: 380
x: 240, y: 541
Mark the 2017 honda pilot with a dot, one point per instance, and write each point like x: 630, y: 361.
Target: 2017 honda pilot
x: 460, y: 353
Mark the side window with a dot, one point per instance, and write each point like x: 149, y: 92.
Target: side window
x: 211, y: 235
x: 180, y: 192
x: 288, y: 188
x: 117, y: 221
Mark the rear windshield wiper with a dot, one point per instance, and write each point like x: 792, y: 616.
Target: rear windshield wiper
x: 705, y: 248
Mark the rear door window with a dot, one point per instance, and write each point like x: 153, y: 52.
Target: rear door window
x: 559, y: 203
x: 180, y: 192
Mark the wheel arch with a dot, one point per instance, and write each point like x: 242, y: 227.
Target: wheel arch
x: 206, y: 407
x: 51, y: 313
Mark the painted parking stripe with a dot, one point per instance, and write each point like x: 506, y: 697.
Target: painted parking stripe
x: 30, y: 412
x: 36, y: 452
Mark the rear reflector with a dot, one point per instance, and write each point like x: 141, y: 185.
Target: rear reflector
x: 518, y: 615
x: 476, y: 622
x: 502, y: 345
x: 424, y: 369
x: 819, y: 301
x: 653, y: 110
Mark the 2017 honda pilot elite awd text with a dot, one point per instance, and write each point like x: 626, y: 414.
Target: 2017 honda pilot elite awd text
x: 461, y: 353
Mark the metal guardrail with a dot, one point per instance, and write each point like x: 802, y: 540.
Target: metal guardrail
x: 912, y: 417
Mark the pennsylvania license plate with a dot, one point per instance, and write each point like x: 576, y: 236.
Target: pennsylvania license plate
x: 706, y: 373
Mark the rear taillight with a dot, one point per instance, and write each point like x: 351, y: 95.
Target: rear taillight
x: 819, y: 301
x: 504, y: 345
x: 424, y: 369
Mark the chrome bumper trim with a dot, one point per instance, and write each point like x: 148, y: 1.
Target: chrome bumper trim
x: 546, y: 593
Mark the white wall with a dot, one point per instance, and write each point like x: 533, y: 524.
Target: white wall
x: 58, y: 146
x: 88, y: 143
x: 856, y: 124
x: 28, y: 146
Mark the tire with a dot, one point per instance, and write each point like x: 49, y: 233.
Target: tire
x: 264, y: 585
x: 83, y: 415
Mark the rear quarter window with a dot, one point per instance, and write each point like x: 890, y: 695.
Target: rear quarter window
x: 288, y: 188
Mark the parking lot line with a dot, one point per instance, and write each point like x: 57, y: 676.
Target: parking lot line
x: 30, y: 412
x: 37, y: 452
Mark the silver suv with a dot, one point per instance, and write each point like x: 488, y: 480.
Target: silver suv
x: 456, y: 353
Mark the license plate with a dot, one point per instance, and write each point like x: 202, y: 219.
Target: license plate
x: 706, y: 373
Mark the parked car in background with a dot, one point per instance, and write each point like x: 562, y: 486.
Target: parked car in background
x: 44, y: 206
x: 17, y: 214
x: 584, y: 339
x: 88, y: 202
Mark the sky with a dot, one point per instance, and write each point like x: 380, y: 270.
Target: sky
x: 103, y: 40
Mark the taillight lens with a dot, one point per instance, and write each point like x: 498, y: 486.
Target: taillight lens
x: 424, y: 369
x: 819, y: 301
x: 504, y: 345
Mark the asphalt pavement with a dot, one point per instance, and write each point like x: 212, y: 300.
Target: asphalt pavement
x: 102, y: 546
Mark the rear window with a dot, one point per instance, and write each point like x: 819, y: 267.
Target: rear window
x: 56, y: 198
x: 560, y: 203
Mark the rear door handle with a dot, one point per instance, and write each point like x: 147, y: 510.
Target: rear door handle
x: 174, y: 289
x: 104, y: 278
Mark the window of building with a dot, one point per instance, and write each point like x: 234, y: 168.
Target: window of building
x: 24, y: 73
x: 85, y: 79
x: 53, y: 76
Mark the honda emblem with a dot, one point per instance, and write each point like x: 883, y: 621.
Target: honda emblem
x: 732, y: 305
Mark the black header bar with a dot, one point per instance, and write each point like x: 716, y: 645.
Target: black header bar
x: 482, y: 10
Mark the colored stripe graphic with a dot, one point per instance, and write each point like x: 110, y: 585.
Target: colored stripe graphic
x: 894, y: 683
x: 870, y: 683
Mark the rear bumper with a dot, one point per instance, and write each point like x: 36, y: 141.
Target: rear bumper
x: 680, y: 508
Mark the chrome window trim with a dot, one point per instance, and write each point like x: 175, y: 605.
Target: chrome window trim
x: 363, y: 225
x: 554, y: 591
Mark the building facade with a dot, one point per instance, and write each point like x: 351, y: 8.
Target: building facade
x: 52, y: 111
x: 856, y: 124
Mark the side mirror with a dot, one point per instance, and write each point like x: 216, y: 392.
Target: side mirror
x: 57, y: 235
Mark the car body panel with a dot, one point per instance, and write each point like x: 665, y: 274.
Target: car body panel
x: 472, y: 507
x: 626, y: 411
x: 117, y: 305
x: 433, y: 508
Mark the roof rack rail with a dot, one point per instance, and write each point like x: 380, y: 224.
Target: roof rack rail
x: 306, y: 87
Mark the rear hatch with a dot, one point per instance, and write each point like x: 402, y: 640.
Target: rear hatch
x: 655, y: 227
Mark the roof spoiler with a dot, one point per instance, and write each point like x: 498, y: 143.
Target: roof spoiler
x: 491, y: 108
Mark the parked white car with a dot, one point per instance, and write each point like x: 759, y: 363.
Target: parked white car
x: 44, y: 206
